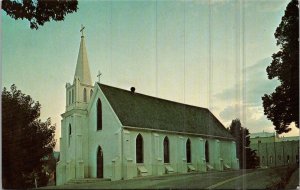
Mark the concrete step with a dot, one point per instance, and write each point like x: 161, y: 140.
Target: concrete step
x: 142, y: 171
x: 191, y: 168
x: 209, y: 167
x: 168, y: 169
x: 227, y: 167
x: 86, y: 180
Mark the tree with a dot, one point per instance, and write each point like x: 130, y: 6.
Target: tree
x: 26, y: 140
x: 282, y: 106
x: 37, y: 12
x: 247, y: 156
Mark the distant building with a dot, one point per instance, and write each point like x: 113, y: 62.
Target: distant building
x: 111, y: 133
x: 263, y: 137
x: 274, y: 150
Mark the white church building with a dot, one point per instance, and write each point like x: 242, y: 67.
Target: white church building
x: 112, y: 133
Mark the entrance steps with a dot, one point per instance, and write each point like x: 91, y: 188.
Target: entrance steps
x: 86, y: 180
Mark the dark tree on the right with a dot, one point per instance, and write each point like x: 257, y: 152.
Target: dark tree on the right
x: 282, y: 106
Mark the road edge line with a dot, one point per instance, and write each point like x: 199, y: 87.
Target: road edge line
x: 226, y: 181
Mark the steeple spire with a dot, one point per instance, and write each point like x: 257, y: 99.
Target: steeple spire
x: 82, y: 68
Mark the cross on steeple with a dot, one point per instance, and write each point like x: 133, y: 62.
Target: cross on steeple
x: 99, y: 75
x: 81, y: 30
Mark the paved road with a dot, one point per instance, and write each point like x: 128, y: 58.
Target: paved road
x: 242, y: 179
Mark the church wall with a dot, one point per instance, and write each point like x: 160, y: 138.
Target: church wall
x: 67, y: 151
x: 73, y: 145
x: 225, y: 148
x: 154, y: 154
x: 109, y: 138
x: 214, y: 153
x: 201, y: 165
x: 69, y: 147
x: 130, y: 154
x: 84, y: 146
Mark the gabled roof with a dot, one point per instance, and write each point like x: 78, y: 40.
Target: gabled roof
x: 142, y: 111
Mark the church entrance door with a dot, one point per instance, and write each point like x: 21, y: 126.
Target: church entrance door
x: 99, y: 163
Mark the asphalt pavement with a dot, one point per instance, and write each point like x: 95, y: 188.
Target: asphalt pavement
x: 241, y: 179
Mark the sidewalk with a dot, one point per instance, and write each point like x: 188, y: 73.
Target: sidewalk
x: 294, y: 180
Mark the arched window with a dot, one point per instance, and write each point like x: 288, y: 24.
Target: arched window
x: 206, y: 151
x: 84, y: 94
x: 166, y: 150
x: 70, y: 97
x: 139, y: 149
x: 70, y: 133
x: 91, y: 93
x: 188, y: 151
x: 288, y: 159
x: 99, y: 115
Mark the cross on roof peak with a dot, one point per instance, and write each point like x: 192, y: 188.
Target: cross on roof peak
x: 81, y: 30
x: 99, y: 75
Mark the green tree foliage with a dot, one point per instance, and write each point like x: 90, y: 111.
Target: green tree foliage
x: 26, y: 140
x: 246, y: 156
x: 282, y: 106
x: 37, y: 12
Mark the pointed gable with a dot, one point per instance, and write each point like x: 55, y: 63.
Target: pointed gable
x: 82, y: 68
x: 142, y: 111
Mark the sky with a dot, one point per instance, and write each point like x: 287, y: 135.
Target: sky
x: 205, y: 53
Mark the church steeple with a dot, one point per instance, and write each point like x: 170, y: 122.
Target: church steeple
x: 80, y: 92
x: 82, y: 71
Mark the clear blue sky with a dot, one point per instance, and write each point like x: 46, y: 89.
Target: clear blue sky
x: 165, y: 49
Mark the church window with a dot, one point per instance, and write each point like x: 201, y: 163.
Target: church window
x: 84, y: 94
x: 73, y: 95
x: 91, y: 93
x: 69, y: 97
x: 188, y: 151
x: 206, y: 151
x: 139, y: 149
x: 70, y: 132
x: 166, y: 150
x: 99, y: 115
